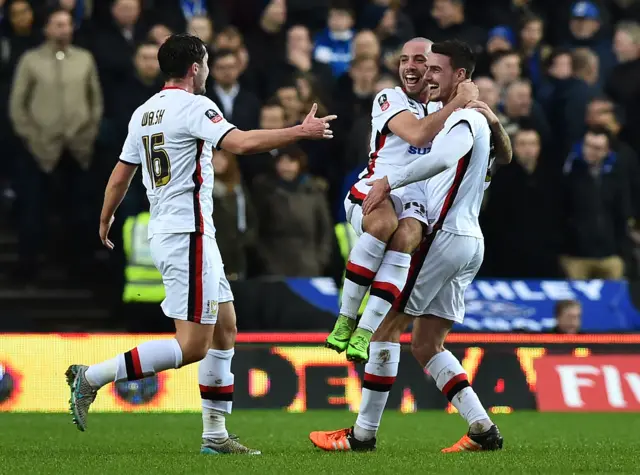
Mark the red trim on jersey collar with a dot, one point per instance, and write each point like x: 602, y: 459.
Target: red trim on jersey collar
x: 173, y: 87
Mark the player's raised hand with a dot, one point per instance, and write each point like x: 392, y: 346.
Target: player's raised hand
x: 467, y: 91
x: 317, y: 128
x: 379, y: 192
x: 485, y: 110
x: 104, y: 233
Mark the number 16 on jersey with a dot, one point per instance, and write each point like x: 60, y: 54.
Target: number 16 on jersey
x: 157, y: 159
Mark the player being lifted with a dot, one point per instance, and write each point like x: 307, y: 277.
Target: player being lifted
x: 400, y: 134
x: 456, y: 172
x: 171, y: 137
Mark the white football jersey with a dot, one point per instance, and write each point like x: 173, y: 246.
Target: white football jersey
x: 388, y: 151
x: 171, y: 136
x: 454, y: 196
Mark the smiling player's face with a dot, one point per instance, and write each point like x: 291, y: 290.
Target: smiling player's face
x: 413, y: 67
x: 441, y: 78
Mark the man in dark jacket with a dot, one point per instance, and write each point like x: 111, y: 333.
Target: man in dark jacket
x: 596, y: 208
x: 524, y: 195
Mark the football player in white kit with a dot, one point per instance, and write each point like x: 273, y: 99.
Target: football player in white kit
x: 401, y: 132
x: 456, y: 171
x: 171, y: 137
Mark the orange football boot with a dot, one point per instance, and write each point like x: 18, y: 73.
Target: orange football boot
x: 489, y: 440
x: 340, y: 441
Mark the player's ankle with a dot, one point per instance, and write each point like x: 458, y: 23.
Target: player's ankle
x: 362, y: 434
x: 481, y: 426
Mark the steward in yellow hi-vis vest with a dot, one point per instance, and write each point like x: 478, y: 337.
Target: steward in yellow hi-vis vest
x: 143, y: 282
x: 347, y: 238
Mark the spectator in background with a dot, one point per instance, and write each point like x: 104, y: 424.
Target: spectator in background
x: 115, y: 45
x: 272, y: 116
x: 505, y: 68
x: 623, y: 85
x: 289, y: 97
x: 596, y: 210
x: 332, y: 46
x: 202, y: 27
x: 524, y: 195
x: 310, y: 93
x: 237, y: 104
x: 449, y: 22
x: 265, y: 43
x: 176, y: 14
x: 558, y: 68
x: 568, y: 314
x: 56, y: 108
x: 489, y: 93
x: 355, y: 91
x: 391, y: 25
x: 299, y: 59
x: 295, y: 232
x: 159, y: 33
x: 572, y: 105
x: 532, y: 51
x: 366, y: 43
x: 519, y: 106
x: 499, y: 39
x: 230, y: 38
x: 233, y: 215
x: 586, y: 30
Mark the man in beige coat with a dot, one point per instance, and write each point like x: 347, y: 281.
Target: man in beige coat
x: 55, y: 107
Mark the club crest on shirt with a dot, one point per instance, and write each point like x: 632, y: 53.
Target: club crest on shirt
x: 383, y: 102
x: 213, y: 116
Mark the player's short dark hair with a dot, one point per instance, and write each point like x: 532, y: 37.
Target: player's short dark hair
x: 555, y: 54
x: 178, y: 53
x: 459, y: 53
x: 294, y: 152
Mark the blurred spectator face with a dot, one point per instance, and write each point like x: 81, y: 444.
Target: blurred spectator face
x: 569, y: 319
x: 159, y: 34
x: 298, y: 40
x: 229, y: 39
x: 275, y: 14
x: 601, y: 113
x: 364, y: 73
x: 126, y: 12
x: 21, y: 16
x: 489, y: 92
x: 447, y: 12
x: 583, y: 28
x: 146, y: 62
x: 304, y: 88
x: 531, y: 34
x: 595, y: 148
x: 220, y: 162
x: 290, y: 100
x: 562, y: 67
x: 385, y: 82
x: 272, y: 117
x: 366, y: 43
x: 287, y: 168
x: 339, y: 20
x: 388, y: 23
x: 413, y: 67
x: 526, y: 147
x: 201, y: 27
x: 518, y: 100
x: 68, y: 5
x: 498, y: 43
x: 60, y: 28
x: 506, y: 69
x: 226, y: 70
x: 626, y: 47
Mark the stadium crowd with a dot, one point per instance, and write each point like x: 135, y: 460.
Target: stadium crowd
x: 564, y: 77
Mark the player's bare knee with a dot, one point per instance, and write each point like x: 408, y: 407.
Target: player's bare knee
x: 407, y: 237
x: 194, y: 342
x: 381, y: 223
x: 392, y: 327
x: 224, y: 336
x: 423, y: 351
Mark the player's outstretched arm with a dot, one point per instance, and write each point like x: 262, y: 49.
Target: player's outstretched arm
x: 242, y: 142
x: 502, y: 142
x: 444, y: 154
x: 117, y: 187
x: 420, y: 132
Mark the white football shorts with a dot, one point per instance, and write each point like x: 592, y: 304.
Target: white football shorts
x: 441, y: 270
x: 193, y: 276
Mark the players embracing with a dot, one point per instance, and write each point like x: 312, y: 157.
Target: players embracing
x: 442, y: 193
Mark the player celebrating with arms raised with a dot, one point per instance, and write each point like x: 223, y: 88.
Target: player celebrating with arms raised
x: 171, y: 136
x: 401, y: 133
x: 455, y: 171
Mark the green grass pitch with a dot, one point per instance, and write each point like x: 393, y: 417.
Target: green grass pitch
x: 132, y: 444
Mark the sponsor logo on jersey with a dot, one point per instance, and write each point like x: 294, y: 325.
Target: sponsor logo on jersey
x: 213, y: 116
x: 419, y: 150
x: 383, y: 102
